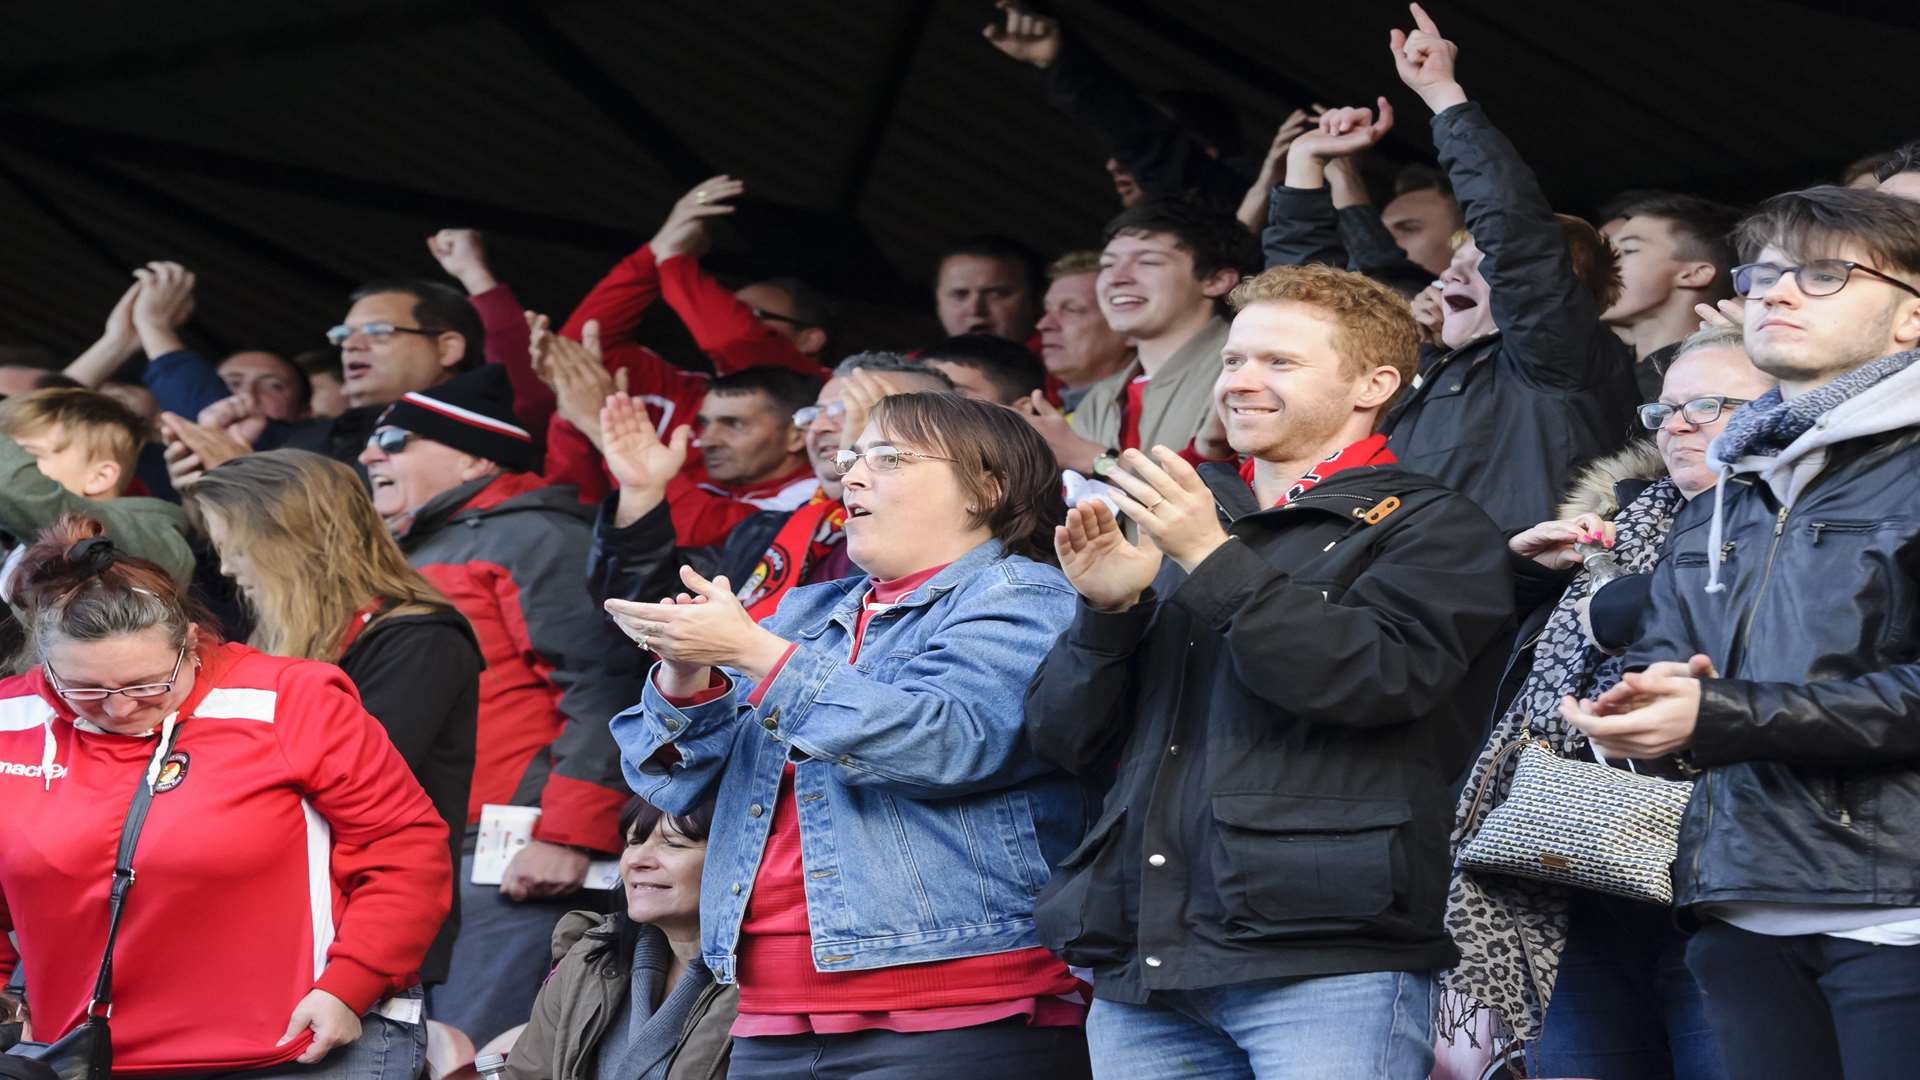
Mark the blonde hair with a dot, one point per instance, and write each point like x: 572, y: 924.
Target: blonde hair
x: 104, y: 427
x: 1073, y: 262
x: 1373, y: 326
x: 319, y: 550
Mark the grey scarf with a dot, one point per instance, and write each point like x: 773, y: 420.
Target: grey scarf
x: 640, y: 1039
x: 1769, y: 424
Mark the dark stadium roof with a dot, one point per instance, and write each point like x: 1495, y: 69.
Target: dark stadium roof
x: 287, y: 150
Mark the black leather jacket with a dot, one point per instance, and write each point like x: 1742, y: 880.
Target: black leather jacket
x: 1811, y: 739
x: 1285, y: 724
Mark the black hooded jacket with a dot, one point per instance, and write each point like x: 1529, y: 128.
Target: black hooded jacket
x: 1287, y: 723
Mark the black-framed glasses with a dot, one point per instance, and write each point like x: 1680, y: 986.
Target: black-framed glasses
x: 376, y: 332
x: 880, y: 458
x: 101, y: 693
x: 1699, y: 412
x: 390, y: 440
x: 832, y: 410
x: 1821, y: 277
x: 773, y: 316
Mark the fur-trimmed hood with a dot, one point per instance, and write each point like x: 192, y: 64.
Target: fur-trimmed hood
x: 1597, y: 488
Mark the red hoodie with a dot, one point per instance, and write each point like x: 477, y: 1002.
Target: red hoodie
x: 291, y: 850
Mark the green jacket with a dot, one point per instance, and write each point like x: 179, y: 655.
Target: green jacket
x: 562, y: 1039
x: 152, y: 529
x: 1176, y: 404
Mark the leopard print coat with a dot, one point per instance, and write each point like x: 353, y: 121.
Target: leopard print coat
x: 1511, y: 930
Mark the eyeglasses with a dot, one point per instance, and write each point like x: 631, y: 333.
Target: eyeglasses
x: 390, y: 440
x: 1821, y: 277
x: 880, y: 458
x: 1698, y: 412
x: 377, y: 332
x: 101, y: 693
x: 773, y: 316
x: 833, y: 410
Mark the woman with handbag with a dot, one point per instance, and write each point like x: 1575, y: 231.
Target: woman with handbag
x: 881, y: 824
x: 229, y: 830
x: 1595, y: 982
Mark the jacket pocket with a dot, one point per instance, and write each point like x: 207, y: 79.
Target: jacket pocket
x: 1081, y: 914
x: 1294, y: 857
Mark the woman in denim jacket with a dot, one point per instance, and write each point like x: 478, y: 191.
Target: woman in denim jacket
x: 881, y: 827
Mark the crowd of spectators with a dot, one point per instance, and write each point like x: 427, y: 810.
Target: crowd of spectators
x: 1106, y: 688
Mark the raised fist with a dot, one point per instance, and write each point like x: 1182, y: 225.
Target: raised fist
x: 1342, y: 132
x: 1024, y: 35
x: 165, y: 301
x: 463, y: 255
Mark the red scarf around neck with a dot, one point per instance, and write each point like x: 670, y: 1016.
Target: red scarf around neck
x: 1371, y: 450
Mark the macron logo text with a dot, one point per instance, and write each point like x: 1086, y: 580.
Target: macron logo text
x: 14, y: 768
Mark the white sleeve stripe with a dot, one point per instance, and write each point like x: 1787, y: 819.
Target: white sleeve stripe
x: 24, y: 713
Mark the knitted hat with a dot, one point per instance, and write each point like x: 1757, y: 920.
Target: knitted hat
x: 471, y: 412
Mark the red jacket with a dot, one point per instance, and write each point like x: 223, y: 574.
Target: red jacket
x: 725, y: 329
x: 511, y: 553
x: 292, y: 850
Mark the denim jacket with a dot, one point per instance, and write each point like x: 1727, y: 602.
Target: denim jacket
x: 927, y: 824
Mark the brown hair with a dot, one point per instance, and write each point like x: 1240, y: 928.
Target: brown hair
x: 1005, y: 468
x: 90, y: 592
x: 1373, y: 325
x: 105, y: 427
x: 1816, y: 222
x: 318, y: 547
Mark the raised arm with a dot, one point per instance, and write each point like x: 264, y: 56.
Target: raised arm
x: 1164, y: 158
x: 462, y: 253
x: 1549, y: 320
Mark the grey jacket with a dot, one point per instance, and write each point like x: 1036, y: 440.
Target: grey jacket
x: 1176, y: 403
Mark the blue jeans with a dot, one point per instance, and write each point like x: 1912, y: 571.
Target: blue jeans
x: 1008, y: 1048
x: 1377, y: 1025
x: 386, y: 1050
x: 1624, y: 1005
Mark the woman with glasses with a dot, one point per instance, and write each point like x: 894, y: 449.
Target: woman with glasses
x: 289, y: 874
x: 1597, y: 985
x: 324, y: 580
x: 881, y: 827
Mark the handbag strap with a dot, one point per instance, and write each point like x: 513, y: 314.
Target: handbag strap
x: 1493, y: 768
x: 102, y: 1004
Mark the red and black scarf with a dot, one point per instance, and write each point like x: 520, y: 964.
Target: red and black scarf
x: 808, y: 535
x: 1371, y: 450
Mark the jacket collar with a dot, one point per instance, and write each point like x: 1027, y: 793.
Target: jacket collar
x: 1348, y: 493
x: 961, y: 570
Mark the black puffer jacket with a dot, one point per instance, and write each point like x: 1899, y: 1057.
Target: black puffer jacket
x: 1506, y: 419
x: 1811, y: 739
x: 1287, y: 721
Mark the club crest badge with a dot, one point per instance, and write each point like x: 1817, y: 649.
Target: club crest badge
x: 173, y: 772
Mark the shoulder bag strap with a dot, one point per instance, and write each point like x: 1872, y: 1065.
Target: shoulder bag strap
x: 102, y: 1004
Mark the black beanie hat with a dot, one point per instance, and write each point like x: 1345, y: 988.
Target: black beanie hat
x: 471, y: 412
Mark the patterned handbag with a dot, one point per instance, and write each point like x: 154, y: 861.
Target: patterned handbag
x: 1580, y: 823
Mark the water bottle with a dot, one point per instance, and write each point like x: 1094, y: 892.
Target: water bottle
x: 1598, y: 562
x: 491, y: 1066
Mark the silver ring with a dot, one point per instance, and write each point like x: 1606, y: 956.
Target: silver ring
x: 642, y: 642
x: 1156, y: 504
x: 700, y: 196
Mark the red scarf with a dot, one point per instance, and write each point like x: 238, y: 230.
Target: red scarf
x: 806, y: 538
x: 1371, y: 450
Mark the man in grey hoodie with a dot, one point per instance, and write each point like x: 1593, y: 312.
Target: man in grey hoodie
x: 1780, y: 654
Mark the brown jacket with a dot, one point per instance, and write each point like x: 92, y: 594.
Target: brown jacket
x: 562, y: 1040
